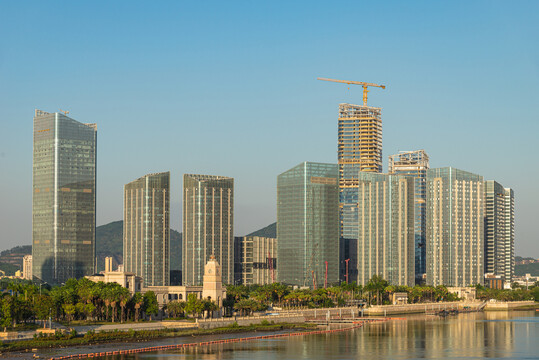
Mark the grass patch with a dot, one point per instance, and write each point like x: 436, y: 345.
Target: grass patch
x: 91, y: 337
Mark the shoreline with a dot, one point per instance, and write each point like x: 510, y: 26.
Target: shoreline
x: 141, y: 336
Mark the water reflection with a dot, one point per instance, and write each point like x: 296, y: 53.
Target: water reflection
x: 475, y: 335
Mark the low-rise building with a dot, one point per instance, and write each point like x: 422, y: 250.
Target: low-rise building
x: 128, y: 280
x: 465, y: 293
x: 255, y: 260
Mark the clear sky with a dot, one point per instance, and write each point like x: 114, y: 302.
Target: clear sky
x: 228, y: 88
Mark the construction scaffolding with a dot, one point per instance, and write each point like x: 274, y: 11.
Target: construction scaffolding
x: 360, y: 141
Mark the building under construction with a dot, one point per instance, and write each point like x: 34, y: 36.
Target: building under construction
x: 359, y: 149
x: 415, y: 164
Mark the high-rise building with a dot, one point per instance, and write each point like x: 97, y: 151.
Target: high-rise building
x: 509, y: 234
x: 359, y: 149
x: 147, y: 228
x: 64, y: 199
x: 455, y: 223
x: 256, y: 260
x: 499, y: 230
x: 308, y: 224
x: 415, y: 164
x: 27, y: 267
x: 386, y: 228
x: 208, y: 226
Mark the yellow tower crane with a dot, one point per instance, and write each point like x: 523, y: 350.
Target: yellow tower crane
x: 349, y: 82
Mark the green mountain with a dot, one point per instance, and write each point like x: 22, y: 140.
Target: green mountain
x: 269, y: 231
x: 109, y: 242
x: 523, y: 269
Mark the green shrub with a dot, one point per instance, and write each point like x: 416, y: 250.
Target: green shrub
x: 264, y: 322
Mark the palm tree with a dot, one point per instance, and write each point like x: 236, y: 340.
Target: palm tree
x: 138, y: 300
x: 123, y: 296
x: 376, y: 285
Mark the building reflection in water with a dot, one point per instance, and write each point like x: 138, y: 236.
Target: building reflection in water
x: 473, y: 335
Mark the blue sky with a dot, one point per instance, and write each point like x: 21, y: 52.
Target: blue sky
x: 229, y: 88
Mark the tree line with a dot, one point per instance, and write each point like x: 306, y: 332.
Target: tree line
x: 23, y: 301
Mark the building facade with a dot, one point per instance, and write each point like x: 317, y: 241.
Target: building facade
x: 359, y: 149
x: 208, y: 226
x: 308, y: 224
x: 509, y: 235
x: 256, y: 260
x: 27, y: 267
x: 64, y: 198
x: 415, y: 164
x: 455, y: 223
x: 147, y: 228
x: 386, y: 228
x: 499, y: 231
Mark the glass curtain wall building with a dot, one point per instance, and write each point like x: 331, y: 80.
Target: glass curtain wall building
x: 415, y: 164
x: 308, y: 224
x: 208, y: 226
x: 499, y: 230
x: 147, y: 228
x: 455, y: 227
x: 64, y: 199
x: 359, y: 149
x: 386, y: 228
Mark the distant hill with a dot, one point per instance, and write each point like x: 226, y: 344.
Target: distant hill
x: 109, y: 242
x: 269, y: 231
x: 11, y: 260
x: 523, y: 269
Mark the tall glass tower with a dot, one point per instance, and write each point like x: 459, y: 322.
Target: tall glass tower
x: 308, y: 224
x: 64, y: 200
x: 208, y: 226
x: 147, y: 228
x: 415, y: 164
x: 359, y: 149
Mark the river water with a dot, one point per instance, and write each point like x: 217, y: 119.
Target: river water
x: 513, y: 335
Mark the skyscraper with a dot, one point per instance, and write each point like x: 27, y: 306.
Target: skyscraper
x: 359, y: 149
x: 308, y: 224
x: 208, y: 226
x: 147, y: 228
x: 64, y: 199
x: 386, y: 228
x: 509, y: 234
x: 499, y: 230
x: 416, y: 164
x: 455, y: 237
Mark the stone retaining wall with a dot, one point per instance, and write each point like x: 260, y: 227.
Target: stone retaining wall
x: 509, y: 305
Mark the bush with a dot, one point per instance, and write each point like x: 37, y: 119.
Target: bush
x: 264, y: 322
x: 234, y: 325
